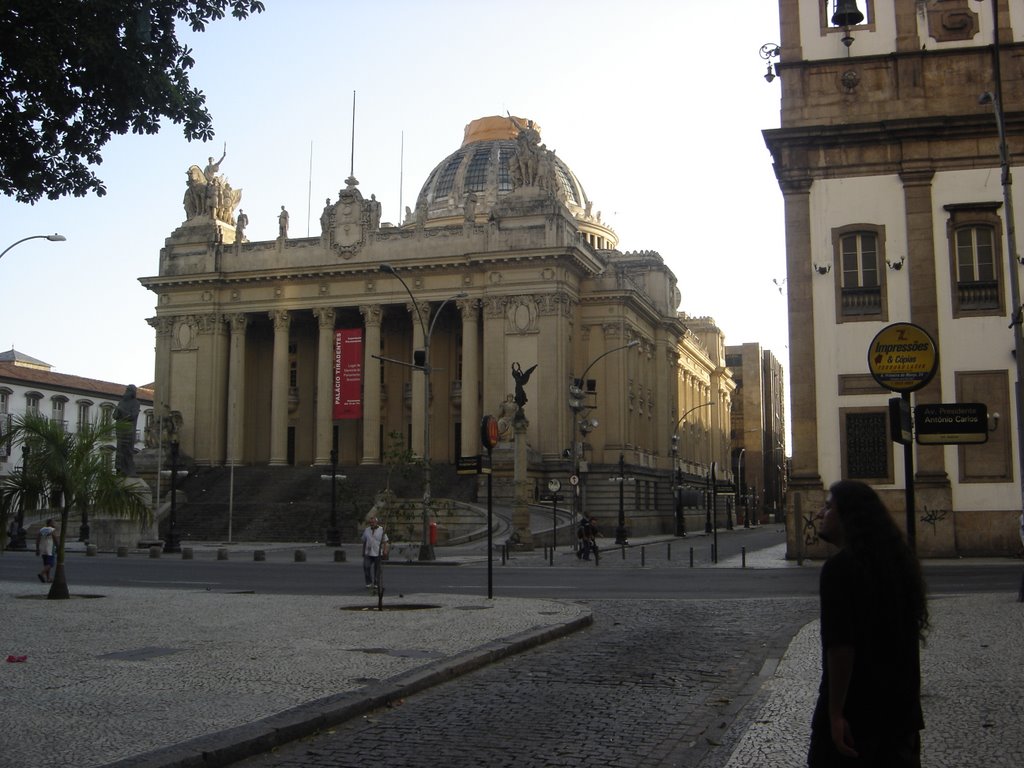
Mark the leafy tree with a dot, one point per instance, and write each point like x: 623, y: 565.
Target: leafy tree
x: 75, y: 72
x: 401, y: 461
x: 69, y: 469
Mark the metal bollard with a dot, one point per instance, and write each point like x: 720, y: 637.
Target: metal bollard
x: 222, y: 553
x: 623, y: 551
x: 186, y: 553
x: 643, y: 557
x: 300, y: 555
x: 154, y: 551
x: 339, y: 556
x: 122, y: 551
x: 259, y: 556
x: 504, y: 553
x: 743, y: 555
x: 670, y: 551
x: 91, y: 550
x: 691, y: 557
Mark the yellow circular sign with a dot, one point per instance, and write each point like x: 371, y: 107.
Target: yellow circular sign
x: 902, y: 357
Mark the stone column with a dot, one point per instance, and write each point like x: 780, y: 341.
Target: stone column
x: 211, y: 389
x: 418, y: 379
x: 612, y: 373
x: 236, y: 389
x: 805, y: 475
x: 494, y: 371
x: 521, y: 534
x: 471, y: 416
x: 917, y: 194
x: 279, y: 390
x: 324, y: 385
x: 372, y: 316
x: 163, y: 327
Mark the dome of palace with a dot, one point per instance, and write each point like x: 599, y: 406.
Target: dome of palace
x: 481, y: 167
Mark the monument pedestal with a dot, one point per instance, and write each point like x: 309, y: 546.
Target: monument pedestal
x: 522, y: 538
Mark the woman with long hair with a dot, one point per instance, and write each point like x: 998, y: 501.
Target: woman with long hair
x: 874, y: 615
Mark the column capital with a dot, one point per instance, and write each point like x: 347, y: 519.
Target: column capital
x: 238, y: 321
x: 281, y: 319
x: 163, y: 325
x: 209, y: 322
x: 469, y: 309
x: 325, y: 316
x: 373, y: 314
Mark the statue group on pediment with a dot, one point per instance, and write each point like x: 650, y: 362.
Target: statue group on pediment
x: 208, y: 193
x: 532, y: 164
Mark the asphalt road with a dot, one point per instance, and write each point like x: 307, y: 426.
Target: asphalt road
x: 655, y: 571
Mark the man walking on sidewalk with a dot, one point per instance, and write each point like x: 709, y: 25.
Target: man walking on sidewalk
x: 375, y: 546
x: 46, y: 545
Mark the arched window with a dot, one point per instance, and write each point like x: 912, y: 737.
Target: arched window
x: 975, y: 238
x: 859, y: 257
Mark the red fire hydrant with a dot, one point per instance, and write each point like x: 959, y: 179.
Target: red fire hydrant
x: 433, y: 533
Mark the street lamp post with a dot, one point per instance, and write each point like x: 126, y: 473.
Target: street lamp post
x: 620, y: 530
x: 333, y: 538
x: 680, y: 519
x: 581, y: 425
x: 54, y: 238
x: 421, y: 362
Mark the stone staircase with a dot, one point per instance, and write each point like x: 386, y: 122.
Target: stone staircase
x: 294, y: 503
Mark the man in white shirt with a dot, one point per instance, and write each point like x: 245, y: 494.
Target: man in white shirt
x: 46, y: 545
x: 375, y: 545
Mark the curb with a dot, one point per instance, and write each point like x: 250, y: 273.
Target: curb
x: 229, y: 746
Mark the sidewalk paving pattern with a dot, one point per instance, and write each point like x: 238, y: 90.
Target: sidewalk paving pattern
x: 158, y: 677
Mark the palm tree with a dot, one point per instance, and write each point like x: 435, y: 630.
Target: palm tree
x: 69, y: 469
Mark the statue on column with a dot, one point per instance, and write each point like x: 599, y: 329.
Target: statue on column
x: 521, y: 377
x: 125, y: 415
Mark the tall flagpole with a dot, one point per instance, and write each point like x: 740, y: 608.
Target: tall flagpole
x: 309, y: 191
x: 352, y: 166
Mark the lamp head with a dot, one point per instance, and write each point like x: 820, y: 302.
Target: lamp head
x: 386, y: 268
x: 986, y: 98
x: 55, y: 238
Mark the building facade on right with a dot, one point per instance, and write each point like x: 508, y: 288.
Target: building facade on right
x: 888, y: 159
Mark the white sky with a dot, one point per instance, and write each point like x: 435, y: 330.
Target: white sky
x: 656, y: 105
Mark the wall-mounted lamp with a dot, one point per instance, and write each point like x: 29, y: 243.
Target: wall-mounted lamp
x: 896, y: 266
x: 768, y: 52
x: 822, y: 269
x: 847, y: 15
x: 993, y: 421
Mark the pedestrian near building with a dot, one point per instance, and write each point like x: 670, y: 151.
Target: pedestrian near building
x: 375, y: 546
x: 587, y: 533
x: 873, y: 617
x: 46, y: 545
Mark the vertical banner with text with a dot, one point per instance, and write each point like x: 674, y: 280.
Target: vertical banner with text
x: 348, y: 373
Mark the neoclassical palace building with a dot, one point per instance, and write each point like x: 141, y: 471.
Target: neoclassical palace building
x: 277, y: 352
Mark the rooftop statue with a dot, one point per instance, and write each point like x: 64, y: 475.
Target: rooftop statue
x: 208, y: 193
x: 531, y: 166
